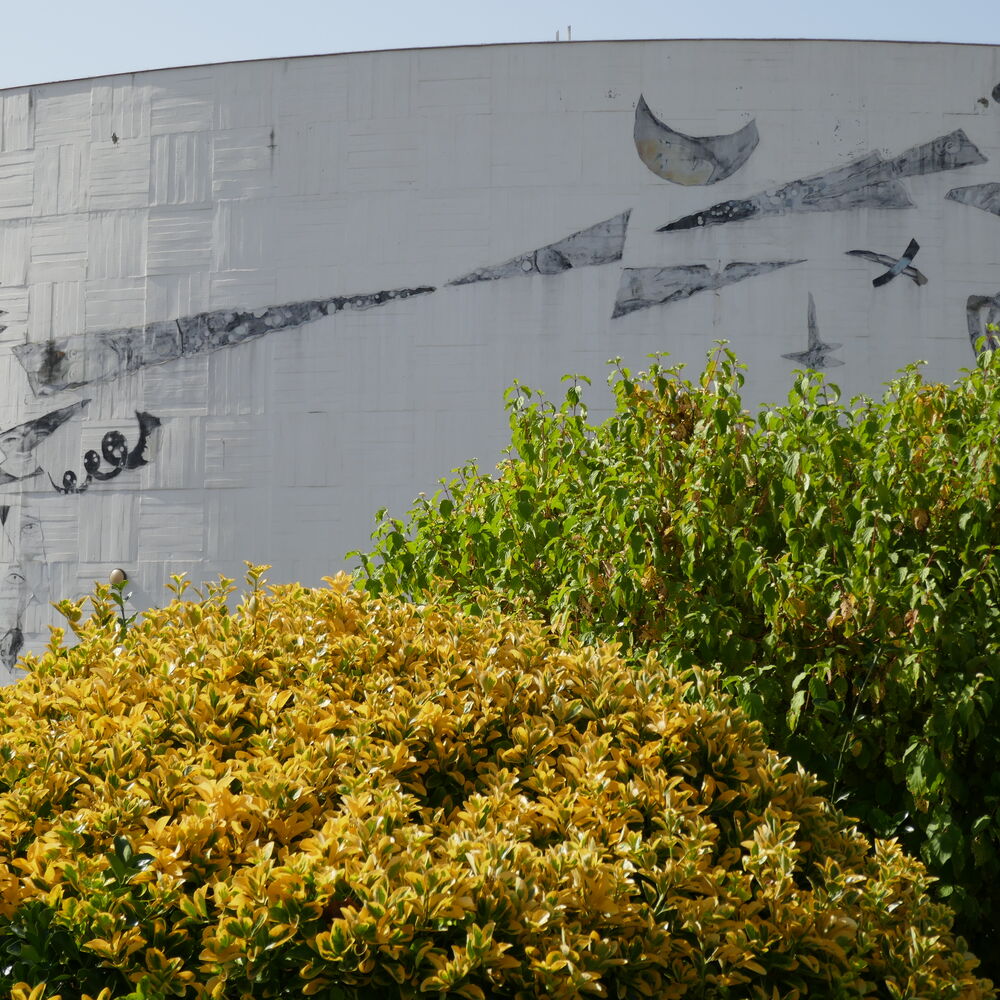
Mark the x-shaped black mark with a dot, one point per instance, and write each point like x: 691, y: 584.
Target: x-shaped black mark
x: 901, y: 265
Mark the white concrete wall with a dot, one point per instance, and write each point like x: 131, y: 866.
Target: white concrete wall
x: 155, y: 197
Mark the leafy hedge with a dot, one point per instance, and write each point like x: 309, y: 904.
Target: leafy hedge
x: 837, y: 562
x: 328, y: 795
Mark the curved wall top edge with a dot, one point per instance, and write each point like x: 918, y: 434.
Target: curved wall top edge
x: 490, y: 45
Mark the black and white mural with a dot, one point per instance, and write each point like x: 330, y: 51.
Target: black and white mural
x: 870, y: 182
x: 156, y: 229
x: 601, y: 243
x: 642, y: 287
x: 18, y: 444
x: 982, y: 313
x: 982, y: 196
x: 72, y: 362
x: 685, y: 159
x: 816, y: 356
x: 26, y: 579
x: 896, y: 265
x: 116, y: 456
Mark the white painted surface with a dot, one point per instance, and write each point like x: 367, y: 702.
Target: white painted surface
x: 134, y: 199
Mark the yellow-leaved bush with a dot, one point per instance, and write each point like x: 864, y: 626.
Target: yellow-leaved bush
x: 323, y: 794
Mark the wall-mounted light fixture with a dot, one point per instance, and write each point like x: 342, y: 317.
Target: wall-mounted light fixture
x: 117, y: 577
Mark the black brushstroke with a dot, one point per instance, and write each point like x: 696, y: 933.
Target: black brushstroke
x: 642, y: 287
x: 4, y: 513
x: 14, y: 597
x: 887, y: 261
x: 815, y: 354
x: 896, y: 265
x: 602, y: 243
x: 687, y: 159
x: 912, y: 248
x: 981, y: 313
x: 11, y: 644
x: 870, y: 182
x: 982, y: 196
x: 996, y: 93
x: 115, y: 452
x: 52, y: 366
x: 20, y: 441
x: 6, y: 477
x: 75, y: 361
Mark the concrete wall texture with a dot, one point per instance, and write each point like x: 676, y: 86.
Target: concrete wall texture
x: 247, y: 305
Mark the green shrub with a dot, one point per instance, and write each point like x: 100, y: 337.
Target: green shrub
x: 836, y: 562
x: 329, y: 795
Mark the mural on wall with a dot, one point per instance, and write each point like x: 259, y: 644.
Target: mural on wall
x: 189, y: 190
x: 11, y: 585
x: 11, y: 643
x: 869, y: 182
x: 982, y: 196
x: 116, y: 453
x: 816, y: 354
x: 687, y: 159
x: 642, y: 287
x: 13, y: 602
x: 72, y: 362
x: 896, y: 265
x: 982, y: 314
x: 25, y: 581
x: 25, y: 578
x: 601, y: 243
x: 17, y: 445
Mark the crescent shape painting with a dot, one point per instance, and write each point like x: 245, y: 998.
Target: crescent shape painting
x: 687, y: 159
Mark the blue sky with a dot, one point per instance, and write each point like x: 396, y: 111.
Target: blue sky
x: 59, y: 39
